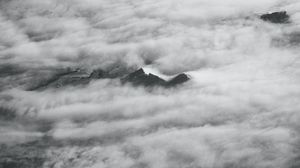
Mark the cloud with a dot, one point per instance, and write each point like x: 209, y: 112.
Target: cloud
x: 240, y: 108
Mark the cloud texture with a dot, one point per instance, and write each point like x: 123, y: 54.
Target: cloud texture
x: 239, y: 110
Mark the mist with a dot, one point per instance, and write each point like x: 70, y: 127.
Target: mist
x: 239, y: 108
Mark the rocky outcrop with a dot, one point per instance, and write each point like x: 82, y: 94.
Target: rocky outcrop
x: 81, y: 77
x: 139, y: 77
x: 64, y: 78
x: 276, y: 17
x: 179, y: 79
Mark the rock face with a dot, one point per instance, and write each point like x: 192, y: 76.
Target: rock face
x: 77, y: 77
x: 68, y: 77
x: 276, y: 17
x: 179, y: 79
x: 139, y: 77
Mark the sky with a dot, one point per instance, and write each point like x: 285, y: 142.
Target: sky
x: 240, y: 108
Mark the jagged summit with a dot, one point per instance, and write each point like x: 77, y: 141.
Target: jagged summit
x: 137, y: 78
x: 276, y: 17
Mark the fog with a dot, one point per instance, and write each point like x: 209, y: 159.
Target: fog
x: 240, y: 108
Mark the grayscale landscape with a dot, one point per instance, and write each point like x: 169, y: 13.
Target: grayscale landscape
x: 149, y: 84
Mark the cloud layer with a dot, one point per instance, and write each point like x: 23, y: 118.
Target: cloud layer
x: 239, y: 110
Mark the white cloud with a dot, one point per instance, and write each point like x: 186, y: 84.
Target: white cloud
x: 240, y: 108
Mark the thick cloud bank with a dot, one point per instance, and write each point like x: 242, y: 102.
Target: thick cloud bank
x: 240, y: 108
